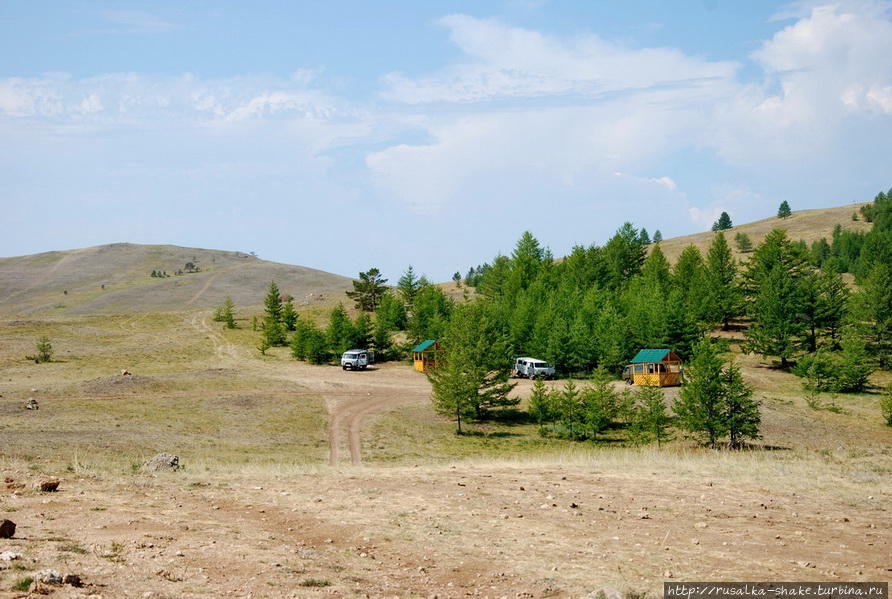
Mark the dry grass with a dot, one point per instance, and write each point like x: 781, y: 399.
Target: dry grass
x: 808, y: 225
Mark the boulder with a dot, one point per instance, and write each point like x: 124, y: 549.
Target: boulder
x: 48, y: 486
x: 7, y: 529
x: 162, y: 462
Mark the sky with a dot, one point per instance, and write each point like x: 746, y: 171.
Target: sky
x: 344, y: 135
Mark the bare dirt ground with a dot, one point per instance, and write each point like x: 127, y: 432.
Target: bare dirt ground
x: 546, y: 529
x: 563, y: 522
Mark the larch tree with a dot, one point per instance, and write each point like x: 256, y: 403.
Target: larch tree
x: 368, y: 290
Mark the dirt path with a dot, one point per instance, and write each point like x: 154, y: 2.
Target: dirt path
x: 201, y: 291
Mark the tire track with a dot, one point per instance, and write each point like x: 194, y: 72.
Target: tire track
x: 204, y: 288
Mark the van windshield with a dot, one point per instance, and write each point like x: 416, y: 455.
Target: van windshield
x: 351, y: 356
x: 542, y: 365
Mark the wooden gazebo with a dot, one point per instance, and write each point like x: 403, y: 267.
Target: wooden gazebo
x: 656, y: 368
x: 426, y: 355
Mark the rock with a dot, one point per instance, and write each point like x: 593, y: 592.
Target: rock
x: 38, y: 588
x: 48, y: 486
x: 72, y: 580
x: 700, y: 525
x: 162, y: 461
x: 7, y: 529
x: 8, y: 556
x: 48, y: 577
x: 32, y: 404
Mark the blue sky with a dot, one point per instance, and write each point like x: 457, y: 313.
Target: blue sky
x: 345, y: 135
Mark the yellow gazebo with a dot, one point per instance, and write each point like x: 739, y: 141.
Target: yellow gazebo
x: 654, y: 368
x: 426, y: 355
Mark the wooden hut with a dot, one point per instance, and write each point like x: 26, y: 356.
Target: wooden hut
x: 655, y: 368
x: 426, y: 355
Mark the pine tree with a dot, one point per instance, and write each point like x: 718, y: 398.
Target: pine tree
x: 744, y: 244
x: 623, y: 255
x: 272, y: 330
x: 408, y: 286
x: 723, y: 223
x: 872, y: 312
x: 362, y: 331
x: 741, y: 411
x: 783, y: 210
x: 643, y: 236
x: 227, y: 313
x: 368, y: 290
x: 289, y: 316
x: 542, y: 407
x: 44, y: 350
x: 651, y: 418
x: 474, y: 378
x: 700, y: 407
x: 658, y: 236
x: 774, y: 283
x: 340, y: 333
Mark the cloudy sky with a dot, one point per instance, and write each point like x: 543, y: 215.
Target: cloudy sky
x: 348, y: 134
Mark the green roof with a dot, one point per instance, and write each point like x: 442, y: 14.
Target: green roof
x: 425, y: 345
x: 650, y: 355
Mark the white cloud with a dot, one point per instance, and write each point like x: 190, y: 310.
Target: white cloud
x: 130, y: 97
x: 138, y: 21
x: 510, y: 62
x: 569, y: 109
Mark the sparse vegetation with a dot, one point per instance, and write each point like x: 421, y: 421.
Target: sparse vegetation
x: 44, y: 351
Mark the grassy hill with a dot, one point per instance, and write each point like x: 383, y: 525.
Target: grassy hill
x: 115, y: 278
x: 808, y: 225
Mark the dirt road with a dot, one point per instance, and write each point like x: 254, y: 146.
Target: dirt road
x: 351, y: 397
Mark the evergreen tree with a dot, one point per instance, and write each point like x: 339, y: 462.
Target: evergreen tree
x: 872, y: 312
x: 362, y: 331
x: 474, y: 378
x: 526, y: 262
x: 340, y: 334
x: 643, y: 236
x: 272, y: 330
x: 655, y: 269
x: 430, y: 314
x: 390, y: 313
x: 227, y: 313
x: 658, y: 236
x: 408, y: 286
x: 689, y: 279
x: 492, y: 282
x: 368, y: 290
x: 700, y: 407
x: 44, y: 350
x: 623, y: 255
x: 600, y: 405
x: 774, y: 283
x: 741, y: 412
x: 776, y: 326
x: 744, y: 244
x: 651, y: 420
x: 723, y: 297
x: 289, y: 316
x: 723, y: 223
x: 783, y: 210
x: 542, y: 408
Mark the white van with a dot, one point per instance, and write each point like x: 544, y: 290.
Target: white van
x: 531, y: 368
x: 355, y: 359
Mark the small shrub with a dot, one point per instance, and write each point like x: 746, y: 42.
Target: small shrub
x: 315, y: 582
x: 23, y: 584
x: 44, y: 351
x: 886, y: 404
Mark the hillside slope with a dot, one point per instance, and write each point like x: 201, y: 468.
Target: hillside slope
x: 808, y: 225
x: 116, y: 278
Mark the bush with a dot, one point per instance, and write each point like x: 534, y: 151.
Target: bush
x: 44, y: 351
x: 886, y: 404
x: 845, y: 372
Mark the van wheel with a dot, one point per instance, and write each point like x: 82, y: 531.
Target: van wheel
x: 343, y: 367
x: 628, y: 381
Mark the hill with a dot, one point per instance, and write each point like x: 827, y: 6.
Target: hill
x: 808, y: 225
x: 116, y: 278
